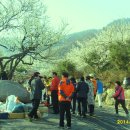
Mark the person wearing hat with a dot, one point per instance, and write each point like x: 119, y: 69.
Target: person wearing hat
x: 36, y: 88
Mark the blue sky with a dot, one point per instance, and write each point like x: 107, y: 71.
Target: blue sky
x: 86, y: 14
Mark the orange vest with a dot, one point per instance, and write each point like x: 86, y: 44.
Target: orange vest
x: 66, y: 87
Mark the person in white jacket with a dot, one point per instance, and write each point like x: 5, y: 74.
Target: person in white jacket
x: 90, y: 98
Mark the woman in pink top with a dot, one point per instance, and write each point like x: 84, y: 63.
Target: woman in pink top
x: 119, y: 97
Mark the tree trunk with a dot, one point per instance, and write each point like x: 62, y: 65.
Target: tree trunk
x: 10, y: 75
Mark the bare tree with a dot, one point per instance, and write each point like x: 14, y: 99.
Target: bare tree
x: 25, y: 33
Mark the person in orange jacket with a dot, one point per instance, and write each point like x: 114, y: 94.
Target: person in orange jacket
x: 93, y: 80
x: 54, y: 93
x: 65, y: 94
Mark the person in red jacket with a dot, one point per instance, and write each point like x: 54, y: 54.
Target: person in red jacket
x: 119, y: 98
x: 54, y: 93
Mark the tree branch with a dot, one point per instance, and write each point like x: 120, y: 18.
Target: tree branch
x: 26, y: 63
x: 4, y: 46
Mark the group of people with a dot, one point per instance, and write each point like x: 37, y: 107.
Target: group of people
x: 85, y: 93
x: 67, y: 94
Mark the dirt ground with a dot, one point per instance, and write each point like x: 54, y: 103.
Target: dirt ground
x: 104, y: 119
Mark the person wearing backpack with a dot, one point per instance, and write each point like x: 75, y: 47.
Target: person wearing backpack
x: 119, y: 97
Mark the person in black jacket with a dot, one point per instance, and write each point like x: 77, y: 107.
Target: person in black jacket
x: 36, y: 88
x: 82, y: 91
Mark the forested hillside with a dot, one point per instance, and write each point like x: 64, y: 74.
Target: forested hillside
x: 107, y: 53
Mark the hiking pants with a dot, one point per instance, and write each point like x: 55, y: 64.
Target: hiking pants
x: 65, y: 108
x: 55, y: 104
x: 35, y: 104
x: 122, y: 102
x: 99, y: 99
x: 82, y: 101
x: 74, y: 102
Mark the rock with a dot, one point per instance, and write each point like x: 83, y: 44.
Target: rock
x: 127, y: 101
x: 104, y: 95
x: 8, y: 88
x: 127, y: 93
x: 109, y: 100
x: 110, y: 92
x: 127, y: 97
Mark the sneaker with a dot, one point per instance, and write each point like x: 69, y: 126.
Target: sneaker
x: 68, y: 127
